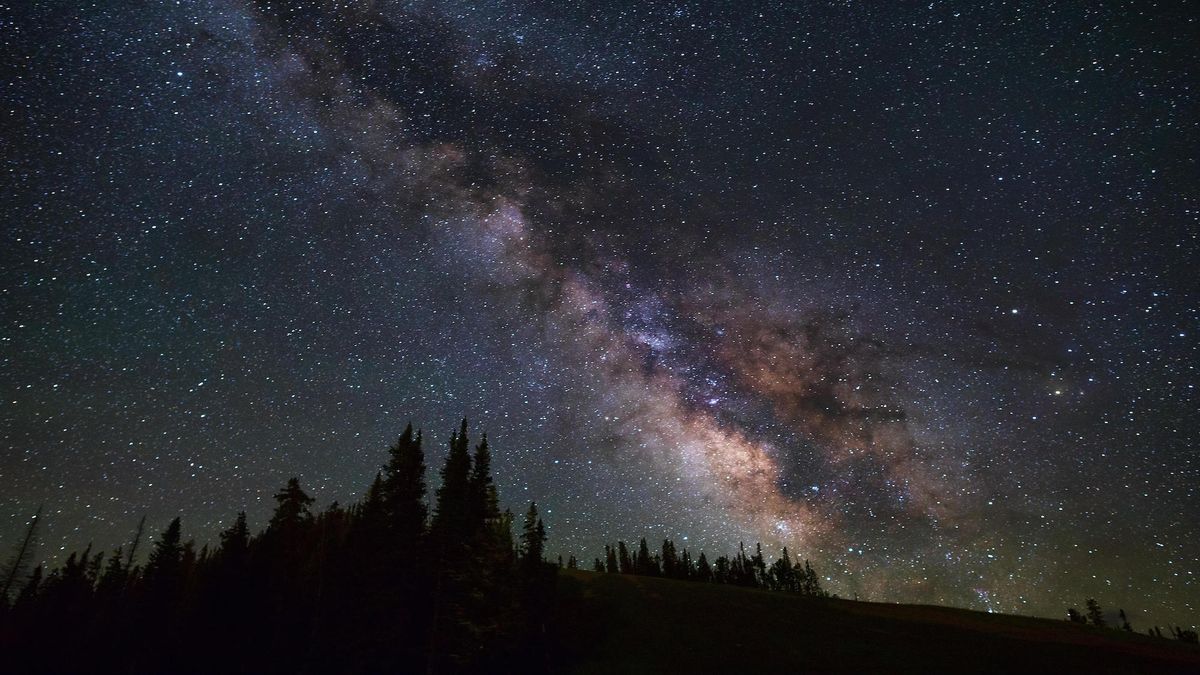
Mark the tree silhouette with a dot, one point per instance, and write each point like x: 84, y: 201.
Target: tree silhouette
x: 349, y: 589
x: 133, y: 545
x: 624, y: 562
x: 449, y: 528
x: 167, y: 556
x: 18, y: 564
x: 703, y: 570
x: 1095, y: 613
x: 403, y: 489
x: 235, y: 542
x: 291, y: 511
x: 533, y: 538
x: 483, y: 502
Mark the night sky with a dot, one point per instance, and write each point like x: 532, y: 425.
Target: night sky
x: 909, y: 289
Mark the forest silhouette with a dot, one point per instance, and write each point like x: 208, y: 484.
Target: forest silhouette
x: 385, y: 584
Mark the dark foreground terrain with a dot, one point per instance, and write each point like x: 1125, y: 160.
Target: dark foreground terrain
x: 612, y: 623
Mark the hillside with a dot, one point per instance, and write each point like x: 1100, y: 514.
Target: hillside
x: 628, y: 624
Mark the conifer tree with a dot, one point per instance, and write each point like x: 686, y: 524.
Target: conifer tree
x: 759, y: 567
x: 167, y: 556
x: 670, y: 561
x: 533, y: 538
x: 811, y: 584
x: 15, y: 567
x: 703, y: 570
x: 404, y: 487
x: 643, y: 564
x: 114, y: 577
x: 291, y: 510
x: 449, y: 526
x: 235, y: 542
x: 624, y: 562
x: 133, y: 546
x: 782, y: 574
x: 1095, y: 613
x: 484, y: 501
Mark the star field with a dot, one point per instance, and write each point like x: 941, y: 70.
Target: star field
x: 907, y: 289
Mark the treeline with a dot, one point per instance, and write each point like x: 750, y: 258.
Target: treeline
x: 739, y: 570
x: 381, y: 585
x: 1095, y: 617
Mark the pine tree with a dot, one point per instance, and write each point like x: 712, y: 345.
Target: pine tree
x: 449, y: 526
x: 114, y: 578
x: 703, y: 570
x: 167, y: 556
x: 1095, y: 613
x: 759, y: 565
x: 235, y: 542
x: 133, y: 546
x: 404, y: 487
x: 624, y: 562
x: 643, y: 564
x: 811, y: 582
x: 670, y: 561
x: 723, y: 571
x: 484, y: 501
x: 17, y: 565
x: 291, y: 511
x: 610, y: 560
x: 533, y: 538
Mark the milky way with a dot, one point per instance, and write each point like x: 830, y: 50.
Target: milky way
x: 906, y: 290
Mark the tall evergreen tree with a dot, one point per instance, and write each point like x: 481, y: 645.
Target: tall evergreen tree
x: 114, y: 577
x: 533, y: 538
x: 484, y: 501
x: 670, y: 561
x: 624, y: 562
x: 703, y: 570
x: 1095, y: 613
x: 17, y: 565
x: 450, y: 516
x: 291, y: 510
x: 235, y: 542
x: 167, y: 556
x: 643, y: 564
x: 131, y: 556
x: 404, y: 487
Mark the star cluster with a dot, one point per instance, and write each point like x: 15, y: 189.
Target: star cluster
x: 907, y: 289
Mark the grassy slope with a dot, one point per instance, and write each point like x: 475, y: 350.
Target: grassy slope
x: 621, y: 624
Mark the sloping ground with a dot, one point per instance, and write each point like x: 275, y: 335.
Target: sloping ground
x: 613, y: 624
